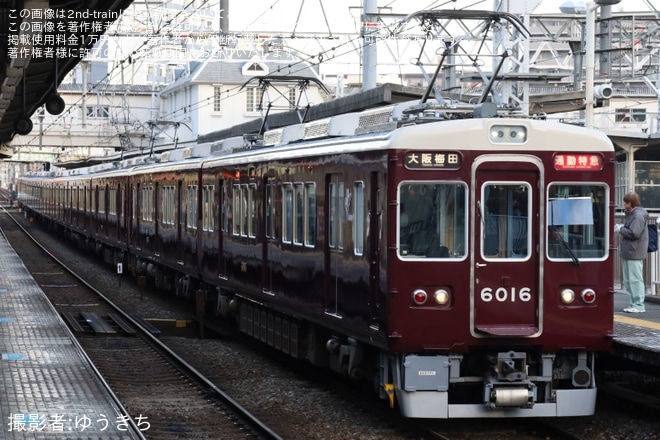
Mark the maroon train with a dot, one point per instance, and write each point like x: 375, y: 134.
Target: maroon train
x: 457, y: 262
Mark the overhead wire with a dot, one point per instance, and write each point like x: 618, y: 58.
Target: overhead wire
x: 297, y: 67
x: 106, y: 80
x: 302, y: 64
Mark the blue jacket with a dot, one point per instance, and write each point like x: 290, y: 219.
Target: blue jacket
x: 635, y: 235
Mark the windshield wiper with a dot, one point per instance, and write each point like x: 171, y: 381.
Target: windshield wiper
x: 559, y: 237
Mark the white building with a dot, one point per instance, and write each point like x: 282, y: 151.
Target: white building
x: 225, y: 90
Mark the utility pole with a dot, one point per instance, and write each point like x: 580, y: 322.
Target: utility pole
x: 224, y: 17
x: 369, y: 39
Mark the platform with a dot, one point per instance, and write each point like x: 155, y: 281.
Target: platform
x: 48, y: 388
x: 637, y: 336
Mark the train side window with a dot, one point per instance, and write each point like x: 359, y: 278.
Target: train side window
x: 299, y: 212
x: 225, y: 207
x: 112, y: 201
x: 207, y: 208
x: 120, y: 204
x: 287, y: 212
x: 102, y: 200
x: 147, y: 203
x: 191, y: 217
x: 146, y: 199
x: 236, y: 206
x: 310, y: 214
x: 168, y: 211
x: 134, y: 208
x: 432, y: 220
x: 577, y: 221
x: 358, y: 218
x: 252, y: 210
x: 337, y: 213
x: 270, y: 210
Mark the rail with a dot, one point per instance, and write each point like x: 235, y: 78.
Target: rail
x: 651, y: 265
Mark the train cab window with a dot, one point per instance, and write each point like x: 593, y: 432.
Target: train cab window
x: 506, y: 230
x: 577, y: 221
x: 432, y: 220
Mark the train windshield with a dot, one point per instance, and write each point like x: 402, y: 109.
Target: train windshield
x: 432, y: 220
x: 577, y: 221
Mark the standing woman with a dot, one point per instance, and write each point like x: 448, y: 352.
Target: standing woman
x: 633, y: 251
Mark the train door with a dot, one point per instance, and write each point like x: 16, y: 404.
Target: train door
x: 506, y: 293
x: 374, y: 226
x: 334, y: 249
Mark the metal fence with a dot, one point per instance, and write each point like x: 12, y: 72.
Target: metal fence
x: 651, y: 265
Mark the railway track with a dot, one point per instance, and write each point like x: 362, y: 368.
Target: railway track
x: 362, y: 419
x: 168, y: 396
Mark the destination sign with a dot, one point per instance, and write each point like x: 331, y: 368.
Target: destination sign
x: 578, y: 162
x: 432, y: 159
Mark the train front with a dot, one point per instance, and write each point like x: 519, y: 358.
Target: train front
x: 499, y: 267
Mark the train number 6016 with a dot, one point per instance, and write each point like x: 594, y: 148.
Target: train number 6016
x: 502, y: 294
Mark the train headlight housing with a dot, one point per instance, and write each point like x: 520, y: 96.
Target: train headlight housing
x: 588, y: 296
x: 419, y: 297
x: 508, y: 134
x: 567, y: 296
x: 441, y: 296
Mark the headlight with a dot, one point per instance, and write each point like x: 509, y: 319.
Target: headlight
x: 567, y: 296
x: 441, y: 296
x: 508, y: 134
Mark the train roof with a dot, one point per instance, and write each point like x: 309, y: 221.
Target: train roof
x: 357, y: 131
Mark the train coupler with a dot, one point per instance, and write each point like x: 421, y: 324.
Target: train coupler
x: 520, y: 395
